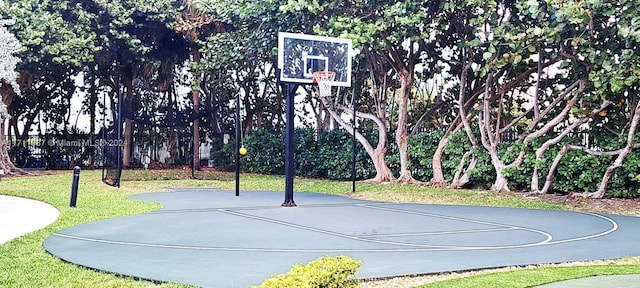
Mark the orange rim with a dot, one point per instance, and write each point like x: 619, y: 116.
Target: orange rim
x: 322, y: 75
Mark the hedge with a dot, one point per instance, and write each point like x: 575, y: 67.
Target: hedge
x: 328, y: 156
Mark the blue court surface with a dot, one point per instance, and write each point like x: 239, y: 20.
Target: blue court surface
x: 211, y: 238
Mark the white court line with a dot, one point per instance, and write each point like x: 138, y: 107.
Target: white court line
x: 548, y: 236
x: 471, y: 231
x: 613, y: 228
x: 614, y: 224
x: 416, y: 247
x: 302, y: 227
x: 266, y: 250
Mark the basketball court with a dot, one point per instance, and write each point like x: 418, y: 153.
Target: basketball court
x: 214, y: 238
x: 211, y: 238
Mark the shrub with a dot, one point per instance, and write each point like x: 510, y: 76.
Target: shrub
x: 325, y: 272
x: 223, y: 154
x: 335, y: 150
x: 308, y: 162
x: 266, y: 152
x: 328, y: 156
x: 422, y: 146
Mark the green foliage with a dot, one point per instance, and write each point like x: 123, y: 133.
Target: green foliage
x: 421, y: 149
x: 579, y: 171
x: 325, y: 272
x: 574, y: 176
x: 50, y: 30
x: 484, y: 173
x: 307, y: 154
x: 626, y: 182
x: 597, y: 41
x: 266, y: 152
x: 335, y: 149
x: 327, y: 155
x: 223, y: 154
x: 456, y: 147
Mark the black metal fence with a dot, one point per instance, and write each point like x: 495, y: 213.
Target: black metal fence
x: 86, y: 150
x: 54, y: 151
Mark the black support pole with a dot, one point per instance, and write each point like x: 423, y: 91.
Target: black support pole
x: 289, y: 146
x: 237, y: 154
x: 353, y: 137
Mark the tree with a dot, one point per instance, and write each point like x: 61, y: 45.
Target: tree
x: 511, y: 42
x: 195, y: 27
x: 398, y: 32
x: 234, y: 64
x: 9, y: 47
x: 53, y: 52
x: 376, y: 113
x: 609, y: 48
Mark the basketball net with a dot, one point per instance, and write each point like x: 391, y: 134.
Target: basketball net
x: 324, y: 79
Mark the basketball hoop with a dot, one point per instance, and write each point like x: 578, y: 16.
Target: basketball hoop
x: 324, y: 79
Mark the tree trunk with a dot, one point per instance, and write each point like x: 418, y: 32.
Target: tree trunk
x: 501, y: 183
x: 6, y: 97
x: 128, y: 123
x: 5, y: 160
x: 547, y: 144
x: 436, y: 163
x: 383, y: 173
x: 377, y: 155
x: 459, y: 181
x: 402, y: 135
x: 214, y: 105
x: 552, y: 169
x: 196, y: 110
x: 566, y: 148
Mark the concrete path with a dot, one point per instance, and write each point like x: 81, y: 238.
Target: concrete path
x: 19, y: 216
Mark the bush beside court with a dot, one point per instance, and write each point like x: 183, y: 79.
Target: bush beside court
x: 326, y: 272
x: 328, y: 156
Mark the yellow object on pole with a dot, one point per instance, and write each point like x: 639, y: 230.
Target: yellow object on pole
x: 242, y: 151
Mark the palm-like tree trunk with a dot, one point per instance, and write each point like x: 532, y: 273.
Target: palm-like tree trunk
x: 196, y: 109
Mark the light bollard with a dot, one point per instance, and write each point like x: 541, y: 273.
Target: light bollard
x: 74, y: 187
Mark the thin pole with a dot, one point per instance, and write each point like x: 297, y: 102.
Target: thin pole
x: 353, y: 138
x: 119, y: 129
x: 193, y: 151
x: 104, y: 135
x: 237, y: 144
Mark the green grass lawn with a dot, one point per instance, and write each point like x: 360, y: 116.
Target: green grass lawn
x: 24, y: 262
x: 528, y: 277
